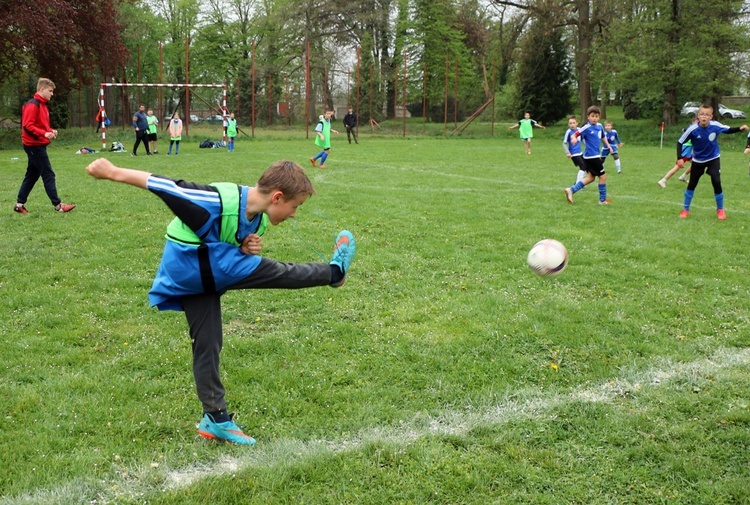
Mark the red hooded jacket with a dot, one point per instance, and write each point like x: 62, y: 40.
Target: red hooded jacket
x: 35, y: 122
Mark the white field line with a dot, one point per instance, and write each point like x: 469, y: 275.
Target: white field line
x: 524, y: 404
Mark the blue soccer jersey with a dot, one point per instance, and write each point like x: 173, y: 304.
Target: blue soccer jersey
x: 613, y: 138
x: 592, y: 135
x: 572, y: 149
x: 705, y: 140
x: 209, y: 265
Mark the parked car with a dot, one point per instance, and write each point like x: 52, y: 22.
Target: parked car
x: 216, y: 118
x: 728, y: 113
x: 195, y: 119
x: 691, y: 109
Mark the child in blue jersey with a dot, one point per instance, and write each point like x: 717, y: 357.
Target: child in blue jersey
x: 323, y: 138
x: 592, y: 135
x: 213, y: 245
x: 614, y: 142
x: 706, y: 157
x: 526, y: 130
x: 573, y: 150
x: 685, y: 156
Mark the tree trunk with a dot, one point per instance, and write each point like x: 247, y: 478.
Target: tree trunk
x: 583, y: 59
x: 670, y: 105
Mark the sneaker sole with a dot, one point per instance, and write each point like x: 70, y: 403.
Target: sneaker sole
x: 344, y: 239
x: 210, y: 436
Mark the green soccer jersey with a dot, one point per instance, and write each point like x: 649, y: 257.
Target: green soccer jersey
x: 526, y: 128
x: 326, y: 131
x: 152, y: 122
x: 231, y: 127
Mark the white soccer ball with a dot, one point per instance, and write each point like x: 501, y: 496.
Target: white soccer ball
x: 548, y: 258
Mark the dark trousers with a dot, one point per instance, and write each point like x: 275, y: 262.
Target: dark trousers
x: 141, y: 136
x: 39, y: 166
x: 351, y: 131
x: 203, y: 313
x: 712, y: 168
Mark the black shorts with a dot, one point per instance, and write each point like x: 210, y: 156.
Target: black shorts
x: 594, y: 166
x: 578, y: 161
x: 152, y: 137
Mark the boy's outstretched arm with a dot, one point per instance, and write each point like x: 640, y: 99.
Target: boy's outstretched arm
x: 105, y: 169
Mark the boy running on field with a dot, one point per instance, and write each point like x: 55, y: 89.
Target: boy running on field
x: 573, y: 150
x: 214, y: 245
x: 592, y: 135
x: 686, y: 155
x: 323, y: 138
x: 704, y: 136
x: 526, y: 130
x: 614, y: 142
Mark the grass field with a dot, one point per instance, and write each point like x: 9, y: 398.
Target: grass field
x: 443, y: 372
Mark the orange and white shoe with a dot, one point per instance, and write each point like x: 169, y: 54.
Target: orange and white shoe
x: 721, y: 214
x: 343, y: 254
x: 225, y: 432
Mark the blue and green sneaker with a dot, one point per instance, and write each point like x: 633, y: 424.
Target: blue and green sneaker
x: 343, y: 254
x: 226, y: 432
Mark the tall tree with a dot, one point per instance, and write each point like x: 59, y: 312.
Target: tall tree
x: 65, y: 40
x: 543, y: 78
x: 585, y: 16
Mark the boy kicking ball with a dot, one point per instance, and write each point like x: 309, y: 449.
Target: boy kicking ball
x: 213, y: 245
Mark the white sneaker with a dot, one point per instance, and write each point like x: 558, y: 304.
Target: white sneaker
x: 662, y: 183
x: 569, y: 195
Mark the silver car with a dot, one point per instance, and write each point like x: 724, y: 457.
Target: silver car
x: 691, y: 109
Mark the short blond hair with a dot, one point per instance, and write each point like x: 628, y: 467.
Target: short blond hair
x: 43, y: 82
x: 285, y: 176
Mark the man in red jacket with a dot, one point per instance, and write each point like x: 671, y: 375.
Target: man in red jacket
x: 36, y: 133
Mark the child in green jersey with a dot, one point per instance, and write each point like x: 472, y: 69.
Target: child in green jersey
x: 153, y: 123
x: 231, y: 132
x: 526, y: 130
x: 323, y: 138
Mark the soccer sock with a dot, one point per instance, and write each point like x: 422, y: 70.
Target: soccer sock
x: 578, y: 186
x: 220, y: 416
x: 602, y: 192
x: 336, y: 274
x: 581, y: 175
x: 688, y: 199
x: 319, y: 155
x: 323, y: 158
x: 617, y: 164
x: 719, y: 201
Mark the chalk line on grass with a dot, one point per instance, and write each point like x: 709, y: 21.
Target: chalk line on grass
x: 522, y: 404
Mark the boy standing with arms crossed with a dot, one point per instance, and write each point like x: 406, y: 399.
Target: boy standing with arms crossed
x: 704, y: 136
x: 350, y: 123
x: 592, y: 135
x: 213, y: 245
x: 153, y: 130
